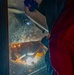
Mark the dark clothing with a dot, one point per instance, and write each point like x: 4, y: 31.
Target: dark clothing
x: 47, y: 8
x: 50, y: 70
x: 62, y: 43
x: 62, y: 38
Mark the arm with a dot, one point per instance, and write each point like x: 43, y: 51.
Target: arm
x: 37, y: 18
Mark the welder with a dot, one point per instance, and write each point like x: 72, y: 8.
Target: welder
x: 60, y: 21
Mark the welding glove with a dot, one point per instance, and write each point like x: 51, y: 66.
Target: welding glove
x: 32, y: 4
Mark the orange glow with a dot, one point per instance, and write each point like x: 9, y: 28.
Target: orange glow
x: 39, y: 54
x: 14, y: 46
x: 19, y: 45
x: 17, y: 60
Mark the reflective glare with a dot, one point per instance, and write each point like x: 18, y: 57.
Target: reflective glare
x: 28, y: 23
x: 29, y: 61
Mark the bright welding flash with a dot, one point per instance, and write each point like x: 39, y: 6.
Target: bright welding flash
x: 29, y: 61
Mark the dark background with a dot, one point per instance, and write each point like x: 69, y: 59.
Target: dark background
x: 4, y: 52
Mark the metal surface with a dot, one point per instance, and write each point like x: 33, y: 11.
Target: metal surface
x: 24, y: 36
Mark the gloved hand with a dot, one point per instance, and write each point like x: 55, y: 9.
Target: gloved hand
x: 32, y: 4
x: 44, y: 41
